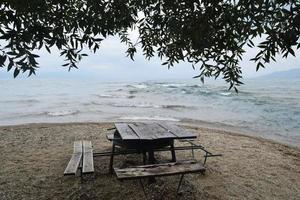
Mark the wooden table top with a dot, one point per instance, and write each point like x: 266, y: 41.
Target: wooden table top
x: 152, y: 131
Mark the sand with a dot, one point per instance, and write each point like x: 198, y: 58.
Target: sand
x: 33, y: 158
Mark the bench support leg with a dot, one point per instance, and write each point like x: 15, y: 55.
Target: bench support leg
x: 112, y: 159
x: 141, y: 183
x: 180, y: 181
x: 205, y: 159
x: 193, y: 154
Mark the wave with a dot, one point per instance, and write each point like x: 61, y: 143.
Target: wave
x: 92, y: 103
x: 21, y: 101
x: 179, y: 85
x: 132, y: 91
x: 195, y: 86
x: 62, y: 113
x: 171, y: 106
x: 196, y: 91
x: 225, y: 93
x: 173, y: 85
x: 42, y: 114
x: 155, y: 118
x: 175, y: 106
x: 136, y: 105
x: 130, y: 96
x: 105, y: 95
x: 115, y: 96
x: 137, y: 86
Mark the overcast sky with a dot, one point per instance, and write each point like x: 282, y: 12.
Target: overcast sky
x: 111, y: 64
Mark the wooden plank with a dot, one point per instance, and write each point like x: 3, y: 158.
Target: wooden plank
x: 143, y: 131
x: 126, y: 132
x: 75, y: 159
x: 88, y: 162
x: 160, y: 132
x: 167, y: 169
x: 181, y: 133
x: 77, y: 147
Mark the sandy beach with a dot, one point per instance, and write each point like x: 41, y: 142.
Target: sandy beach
x: 34, y: 156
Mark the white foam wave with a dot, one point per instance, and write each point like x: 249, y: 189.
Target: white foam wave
x: 138, y: 86
x: 174, y: 85
x: 105, y: 95
x: 155, y: 118
x: 225, y: 93
x: 62, y: 113
x: 137, y: 105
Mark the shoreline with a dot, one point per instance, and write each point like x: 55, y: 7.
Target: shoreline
x: 240, y: 133
x: 214, y: 126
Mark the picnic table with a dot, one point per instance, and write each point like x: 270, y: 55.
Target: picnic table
x: 146, y: 137
x: 137, y: 137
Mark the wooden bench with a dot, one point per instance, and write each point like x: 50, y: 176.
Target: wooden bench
x: 155, y: 170
x: 82, y: 158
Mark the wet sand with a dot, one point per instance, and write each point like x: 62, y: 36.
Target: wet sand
x: 34, y: 156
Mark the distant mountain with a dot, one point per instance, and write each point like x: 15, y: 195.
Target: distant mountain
x: 289, y: 74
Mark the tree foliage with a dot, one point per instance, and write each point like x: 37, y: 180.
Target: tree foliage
x: 210, y: 34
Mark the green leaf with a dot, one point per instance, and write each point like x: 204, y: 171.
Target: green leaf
x: 2, y: 60
x: 251, y: 43
x: 32, y: 71
x: 16, y: 72
x: 259, y: 65
x: 35, y: 56
x: 12, y: 53
x: 202, y: 79
x: 236, y: 90
x: 10, y: 65
x: 291, y: 51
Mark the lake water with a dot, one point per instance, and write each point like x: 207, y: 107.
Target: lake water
x: 266, y: 108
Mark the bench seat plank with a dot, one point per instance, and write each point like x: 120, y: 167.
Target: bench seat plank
x: 88, y: 163
x: 75, y: 159
x: 166, y: 169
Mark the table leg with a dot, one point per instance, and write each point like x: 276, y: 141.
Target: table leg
x: 151, y: 156
x: 173, y: 151
x: 144, y: 157
x: 112, y: 158
x: 178, y: 187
